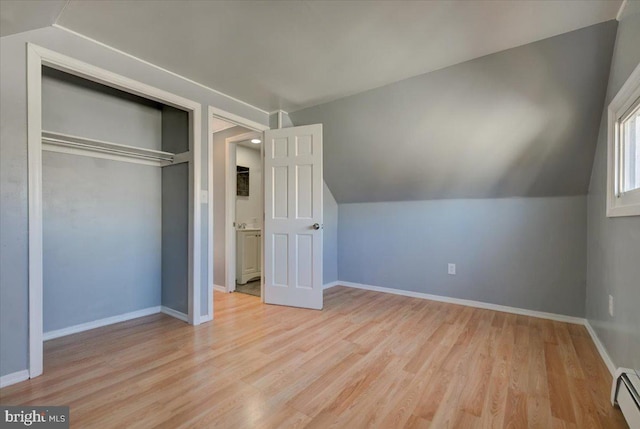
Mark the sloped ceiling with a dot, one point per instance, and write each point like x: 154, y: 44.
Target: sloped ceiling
x: 17, y: 16
x: 518, y: 123
x: 288, y: 55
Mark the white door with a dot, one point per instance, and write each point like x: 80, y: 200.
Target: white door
x: 293, y: 216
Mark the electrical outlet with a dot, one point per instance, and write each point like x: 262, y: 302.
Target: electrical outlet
x: 452, y: 269
x: 611, y: 305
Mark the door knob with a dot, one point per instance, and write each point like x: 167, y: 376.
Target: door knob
x: 316, y: 226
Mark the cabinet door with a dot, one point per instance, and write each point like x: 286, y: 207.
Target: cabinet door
x: 250, y: 256
x: 259, y: 251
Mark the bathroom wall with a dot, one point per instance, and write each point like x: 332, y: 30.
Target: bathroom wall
x: 249, y: 209
x: 219, y: 203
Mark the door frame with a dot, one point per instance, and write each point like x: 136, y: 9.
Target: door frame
x: 230, y: 148
x: 214, y: 112
x: 38, y: 56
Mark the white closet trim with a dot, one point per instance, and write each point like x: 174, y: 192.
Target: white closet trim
x: 64, y: 143
x: 38, y: 56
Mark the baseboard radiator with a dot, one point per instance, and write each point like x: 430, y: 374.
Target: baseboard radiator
x: 626, y: 394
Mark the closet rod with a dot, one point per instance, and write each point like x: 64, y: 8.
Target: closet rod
x: 58, y: 142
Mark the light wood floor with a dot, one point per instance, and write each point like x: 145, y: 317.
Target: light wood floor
x: 368, y: 360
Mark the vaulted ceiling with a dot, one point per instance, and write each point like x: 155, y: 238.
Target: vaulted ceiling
x: 17, y: 16
x: 291, y: 55
x: 419, y: 100
x: 518, y: 123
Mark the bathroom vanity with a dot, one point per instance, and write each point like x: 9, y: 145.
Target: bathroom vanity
x: 248, y: 255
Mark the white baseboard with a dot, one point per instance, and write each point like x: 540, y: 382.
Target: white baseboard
x: 99, y: 323
x: 603, y: 352
x: 478, y: 304
x: 220, y: 288
x: 174, y: 313
x: 468, y: 303
x: 331, y: 284
x: 13, y: 378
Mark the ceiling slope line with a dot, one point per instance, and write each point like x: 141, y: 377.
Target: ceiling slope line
x: 75, y: 33
x: 55, y: 21
x: 621, y: 10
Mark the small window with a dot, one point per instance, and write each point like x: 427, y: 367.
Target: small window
x: 630, y: 149
x: 623, y: 187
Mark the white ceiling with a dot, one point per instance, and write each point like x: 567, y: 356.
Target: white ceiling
x: 290, y: 55
x: 17, y: 16
x: 249, y: 145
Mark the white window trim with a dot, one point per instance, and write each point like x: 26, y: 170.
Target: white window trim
x: 627, y: 204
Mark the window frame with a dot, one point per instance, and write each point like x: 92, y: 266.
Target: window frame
x: 628, y: 203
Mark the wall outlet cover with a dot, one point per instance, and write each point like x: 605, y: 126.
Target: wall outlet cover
x: 452, y: 269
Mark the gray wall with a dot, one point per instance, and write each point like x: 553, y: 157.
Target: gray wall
x: 329, y: 236
x: 614, y: 243
x: 521, y: 252
x: 175, y: 213
x: 175, y: 130
x: 175, y: 237
x: 286, y: 120
x: 522, y: 122
x: 13, y: 163
x: 102, y: 240
x: 75, y: 106
x: 101, y: 219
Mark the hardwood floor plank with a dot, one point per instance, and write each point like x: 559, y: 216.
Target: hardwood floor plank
x: 368, y: 360
x: 559, y: 391
x: 516, y: 415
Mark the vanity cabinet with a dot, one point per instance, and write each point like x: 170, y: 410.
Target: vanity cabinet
x: 248, y: 255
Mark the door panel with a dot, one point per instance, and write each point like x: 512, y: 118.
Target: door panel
x: 250, y: 253
x: 304, y: 268
x: 280, y: 260
x: 293, y: 191
x: 280, y: 198
x: 304, y: 185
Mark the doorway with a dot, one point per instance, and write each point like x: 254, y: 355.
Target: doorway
x: 290, y: 244
x: 245, y: 213
x: 238, y: 205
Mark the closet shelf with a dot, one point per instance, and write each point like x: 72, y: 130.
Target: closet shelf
x: 58, y: 142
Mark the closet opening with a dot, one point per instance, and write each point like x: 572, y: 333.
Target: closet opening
x: 115, y: 205
x: 113, y: 174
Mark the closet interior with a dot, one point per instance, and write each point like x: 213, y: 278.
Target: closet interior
x: 115, y: 196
